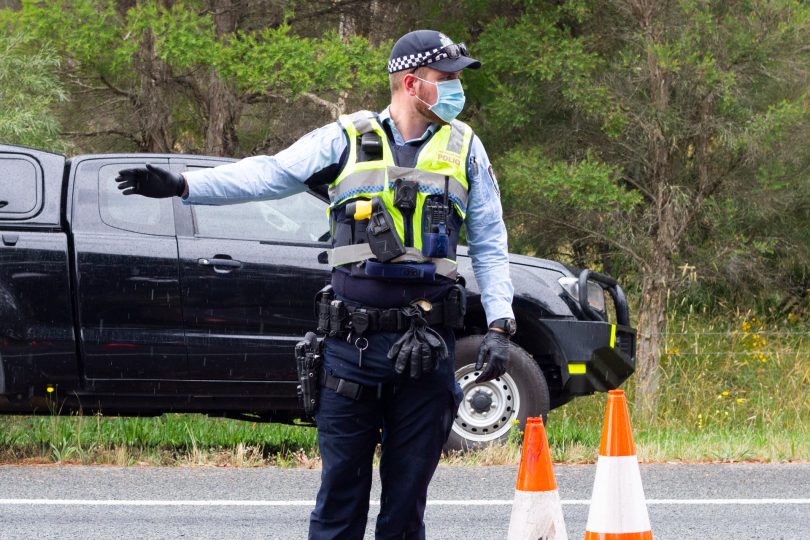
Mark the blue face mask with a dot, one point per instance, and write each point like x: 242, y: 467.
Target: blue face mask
x: 449, y: 100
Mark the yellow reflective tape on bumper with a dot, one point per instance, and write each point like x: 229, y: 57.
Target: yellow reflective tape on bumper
x: 612, y: 336
x: 577, y: 369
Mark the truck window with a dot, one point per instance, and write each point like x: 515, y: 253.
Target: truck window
x: 20, y: 186
x: 132, y: 213
x: 300, y: 218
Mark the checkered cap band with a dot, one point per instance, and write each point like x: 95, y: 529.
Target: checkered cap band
x: 416, y: 60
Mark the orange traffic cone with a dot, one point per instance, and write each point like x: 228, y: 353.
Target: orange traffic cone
x: 618, y: 509
x: 536, y: 510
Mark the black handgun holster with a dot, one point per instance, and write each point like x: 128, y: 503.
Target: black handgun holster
x: 309, y: 362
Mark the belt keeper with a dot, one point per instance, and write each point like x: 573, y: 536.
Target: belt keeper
x: 348, y: 389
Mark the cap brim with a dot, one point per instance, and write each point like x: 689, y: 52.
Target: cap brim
x: 450, y: 65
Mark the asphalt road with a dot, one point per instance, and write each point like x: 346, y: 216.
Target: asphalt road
x: 741, y: 501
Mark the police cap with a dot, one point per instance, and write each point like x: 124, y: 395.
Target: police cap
x: 432, y: 49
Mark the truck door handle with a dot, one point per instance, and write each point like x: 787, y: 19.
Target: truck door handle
x: 221, y: 262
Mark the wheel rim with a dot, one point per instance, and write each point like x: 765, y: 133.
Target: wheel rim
x: 487, y: 408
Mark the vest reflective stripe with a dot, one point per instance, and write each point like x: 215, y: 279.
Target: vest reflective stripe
x: 361, y: 123
x: 374, y: 181
x: 360, y: 252
x: 356, y: 184
x: 456, y: 141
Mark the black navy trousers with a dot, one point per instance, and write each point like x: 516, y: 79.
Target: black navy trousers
x: 411, y: 422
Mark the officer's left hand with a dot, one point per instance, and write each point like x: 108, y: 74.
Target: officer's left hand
x: 494, y: 351
x: 151, y: 181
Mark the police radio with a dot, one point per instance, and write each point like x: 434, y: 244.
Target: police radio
x: 435, y: 236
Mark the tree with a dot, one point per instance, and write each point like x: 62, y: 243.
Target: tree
x: 641, y: 127
x: 29, y: 90
x: 177, y: 75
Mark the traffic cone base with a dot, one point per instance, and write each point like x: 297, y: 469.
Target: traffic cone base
x: 537, y: 515
x: 619, y: 536
x: 537, y: 509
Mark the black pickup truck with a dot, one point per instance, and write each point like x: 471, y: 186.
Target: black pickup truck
x: 145, y: 306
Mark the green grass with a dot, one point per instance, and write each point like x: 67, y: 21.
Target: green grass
x: 165, y: 440
x: 731, y: 390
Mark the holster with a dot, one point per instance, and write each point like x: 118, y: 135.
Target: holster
x: 309, y: 362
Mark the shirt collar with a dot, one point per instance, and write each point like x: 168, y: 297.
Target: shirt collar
x: 385, y: 118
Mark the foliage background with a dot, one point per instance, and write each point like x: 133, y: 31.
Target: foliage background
x: 664, y: 142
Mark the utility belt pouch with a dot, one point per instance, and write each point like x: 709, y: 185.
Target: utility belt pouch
x: 337, y: 316
x: 361, y: 319
x: 455, y: 307
x: 323, y: 300
x: 308, y: 361
x: 382, y: 235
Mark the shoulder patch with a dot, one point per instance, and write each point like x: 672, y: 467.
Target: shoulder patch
x: 494, y: 180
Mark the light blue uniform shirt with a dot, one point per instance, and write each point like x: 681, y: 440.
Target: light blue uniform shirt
x: 275, y: 177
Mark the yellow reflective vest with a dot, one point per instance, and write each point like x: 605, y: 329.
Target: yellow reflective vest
x: 441, y: 163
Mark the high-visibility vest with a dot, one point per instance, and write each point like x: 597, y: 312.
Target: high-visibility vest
x: 440, y: 162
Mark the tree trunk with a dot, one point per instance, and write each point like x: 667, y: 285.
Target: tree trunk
x: 657, y: 275
x: 151, y: 101
x: 651, y: 325
x: 222, y: 107
x: 224, y: 110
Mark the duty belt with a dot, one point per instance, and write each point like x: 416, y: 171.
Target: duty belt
x: 338, y: 318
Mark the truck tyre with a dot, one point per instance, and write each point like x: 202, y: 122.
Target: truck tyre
x: 488, y: 409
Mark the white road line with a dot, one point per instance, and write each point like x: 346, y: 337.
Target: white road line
x: 306, y: 503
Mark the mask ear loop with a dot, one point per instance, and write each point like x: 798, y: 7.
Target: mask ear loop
x: 422, y: 100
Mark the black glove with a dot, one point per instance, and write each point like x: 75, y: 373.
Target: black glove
x: 494, y: 351
x: 151, y: 181
x: 420, y: 348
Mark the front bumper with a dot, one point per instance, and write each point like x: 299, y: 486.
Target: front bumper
x: 596, y: 356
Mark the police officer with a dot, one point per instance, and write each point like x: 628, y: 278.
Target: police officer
x: 401, y: 183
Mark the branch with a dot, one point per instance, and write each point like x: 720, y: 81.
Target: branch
x: 102, y: 132
x: 704, y: 193
x: 334, y: 108
x: 76, y: 81
x: 595, y: 234
x: 115, y: 89
x: 191, y: 84
x: 644, y: 191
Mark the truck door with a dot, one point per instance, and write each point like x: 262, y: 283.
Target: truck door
x: 127, y: 274
x: 249, y: 274
x: 37, y: 340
